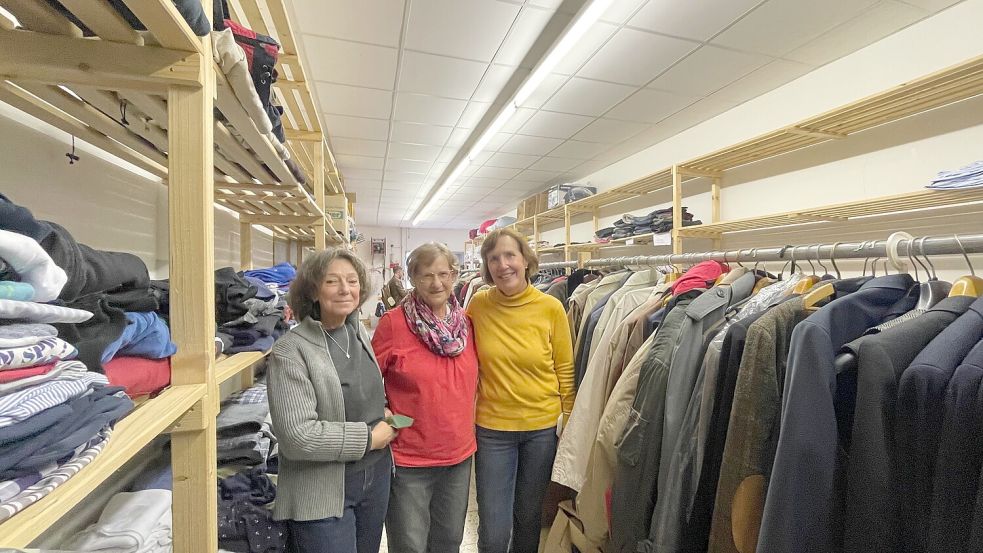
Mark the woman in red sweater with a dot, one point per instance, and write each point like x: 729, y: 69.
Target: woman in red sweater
x: 425, y: 348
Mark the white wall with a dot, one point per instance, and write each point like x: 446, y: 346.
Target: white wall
x: 896, y: 158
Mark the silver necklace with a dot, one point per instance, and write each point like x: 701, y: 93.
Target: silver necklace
x: 348, y: 341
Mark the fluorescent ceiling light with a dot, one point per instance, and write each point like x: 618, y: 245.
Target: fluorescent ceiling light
x: 587, y: 16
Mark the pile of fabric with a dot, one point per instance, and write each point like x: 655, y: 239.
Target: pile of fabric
x: 55, y: 413
x: 243, y: 429
x: 245, y: 522
x: 277, y: 277
x: 132, y: 522
x: 970, y: 176
x: 657, y: 221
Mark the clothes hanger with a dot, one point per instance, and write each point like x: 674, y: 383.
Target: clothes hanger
x: 826, y: 291
x: 764, y: 281
x: 808, y: 281
x: 970, y: 285
x: 932, y: 290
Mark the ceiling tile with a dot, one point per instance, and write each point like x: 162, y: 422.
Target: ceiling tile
x: 458, y: 137
x: 352, y: 63
x: 587, y: 97
x: 480, y: 183
x: 395, y: 179
x: 535, y: 175
x: 355, y: 101
x: 588, y: 168
x: 871, y: 26
x: 356, y: 127
x: 495, y: 79
x: 416, y: 108
x: 357, y: 146
x: 363, y: 174
x: 650, y: 106
x: 374, y: 21
x: 513, y: 161
x: 496, y: 142
x: 621, y: 61
x: 699, y: 112
x: 527, y: 29
x: 574, y: 149
x: 439, y: 75
x: 481, y: 158
x: 418, y: 152
x: 766, y: 79
x: 518, y: 119
x: 598, y: 34
x: 415, y: 133
x: 932, y: 5
x: 496, y: 172
x: 359, y: 162
x: 621, y: 11
x: 776, y: 28
x: 544, y: 91
x: 707, y: 70
x: 693, y: 20
x: 473, y: 114
x: 554, y: 125
x: 361, y: 186
x: 471, y: 29
x: 407, y: 165
x: 609, y: 131
x: 447, y: 155
x: 556, y: 164
x: 533, y: 145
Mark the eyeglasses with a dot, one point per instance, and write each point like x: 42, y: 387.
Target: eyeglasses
x: 443, y: 276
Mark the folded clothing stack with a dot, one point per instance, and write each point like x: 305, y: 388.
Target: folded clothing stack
x: 280, y: 275
x: 132, y: 522
x: 657, y: 221
x: 245, y: 523
x: 970, y: 176
x: 243, y: 429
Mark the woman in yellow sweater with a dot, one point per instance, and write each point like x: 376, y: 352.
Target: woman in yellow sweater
x: 525, y: 384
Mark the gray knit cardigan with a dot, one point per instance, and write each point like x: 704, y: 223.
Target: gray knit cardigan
x: 308, y: 412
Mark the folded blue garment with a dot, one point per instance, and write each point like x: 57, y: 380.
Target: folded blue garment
x: 21, y: 291
x: 281, y: 274
x: 263, y: 291
x: 146, y: 335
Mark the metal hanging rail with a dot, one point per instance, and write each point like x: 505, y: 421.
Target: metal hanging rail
x: 899, y: 246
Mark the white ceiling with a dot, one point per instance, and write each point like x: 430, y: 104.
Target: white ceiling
x: 402, y: 85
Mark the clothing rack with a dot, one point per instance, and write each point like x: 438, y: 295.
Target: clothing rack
x: 900, y: 248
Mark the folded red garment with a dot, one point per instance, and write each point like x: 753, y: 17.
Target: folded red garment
x: 137, y: 375
x: 17, y: 374
x: 701, y: 275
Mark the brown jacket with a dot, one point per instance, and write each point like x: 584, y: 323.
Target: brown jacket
x: 393, y: 293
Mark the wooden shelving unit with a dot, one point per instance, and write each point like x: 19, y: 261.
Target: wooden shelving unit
x: 149, y: 98
x: 951, y: 85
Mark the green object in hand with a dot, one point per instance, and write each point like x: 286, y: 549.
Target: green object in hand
x: 399, y: 421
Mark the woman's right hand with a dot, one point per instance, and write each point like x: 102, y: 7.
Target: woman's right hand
x: 382, y: 434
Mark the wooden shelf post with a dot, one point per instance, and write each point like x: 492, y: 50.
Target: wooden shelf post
x: 715, y: 208
x: 677, y: 209
x: 566, y: 226
x: 319, y: 227
x: 191, y: 223
x: 246, y: 246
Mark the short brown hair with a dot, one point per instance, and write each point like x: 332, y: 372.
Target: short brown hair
x: 305, y: 287
x: 488, y: 245
x: 425, y: 254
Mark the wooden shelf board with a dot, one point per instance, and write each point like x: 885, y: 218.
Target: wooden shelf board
x: 235, y: 364
x: 131, y: 434
x: 839, y: 213
x: 639, y: 240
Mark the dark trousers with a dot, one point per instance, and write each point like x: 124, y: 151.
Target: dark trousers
x: 512, y: 471
x: 427, y: 508
x: 359, y: 529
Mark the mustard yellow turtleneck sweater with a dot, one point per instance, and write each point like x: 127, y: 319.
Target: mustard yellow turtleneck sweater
x: 525, y: 356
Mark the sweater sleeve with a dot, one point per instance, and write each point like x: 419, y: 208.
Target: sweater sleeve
x: 295, y: 421
x: 382, y: 342
x: 562, y: 347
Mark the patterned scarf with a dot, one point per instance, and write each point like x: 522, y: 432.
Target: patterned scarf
x: 445, y: 337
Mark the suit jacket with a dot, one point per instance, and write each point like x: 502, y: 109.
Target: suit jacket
x: 393, y: 293
x: 871, y: 517
x: 802, y: 504
x: 921, y: 394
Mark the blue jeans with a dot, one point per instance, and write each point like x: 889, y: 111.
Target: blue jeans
x: 512, y: 471
x: 427, y: 508
x: 359, y: 529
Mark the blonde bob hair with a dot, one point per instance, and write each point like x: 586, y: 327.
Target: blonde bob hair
x: 492, y: 238
x: 302, y: 297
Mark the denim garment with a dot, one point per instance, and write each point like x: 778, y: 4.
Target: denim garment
x: 512, y: 471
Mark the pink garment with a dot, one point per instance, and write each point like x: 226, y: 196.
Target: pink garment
x: 483, y: 229
x: 701, y: 275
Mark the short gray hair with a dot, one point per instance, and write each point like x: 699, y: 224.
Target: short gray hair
x: 426, y: 254
x: 310, y: 276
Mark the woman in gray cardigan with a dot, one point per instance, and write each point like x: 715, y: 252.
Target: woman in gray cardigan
x: 328, y: 407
